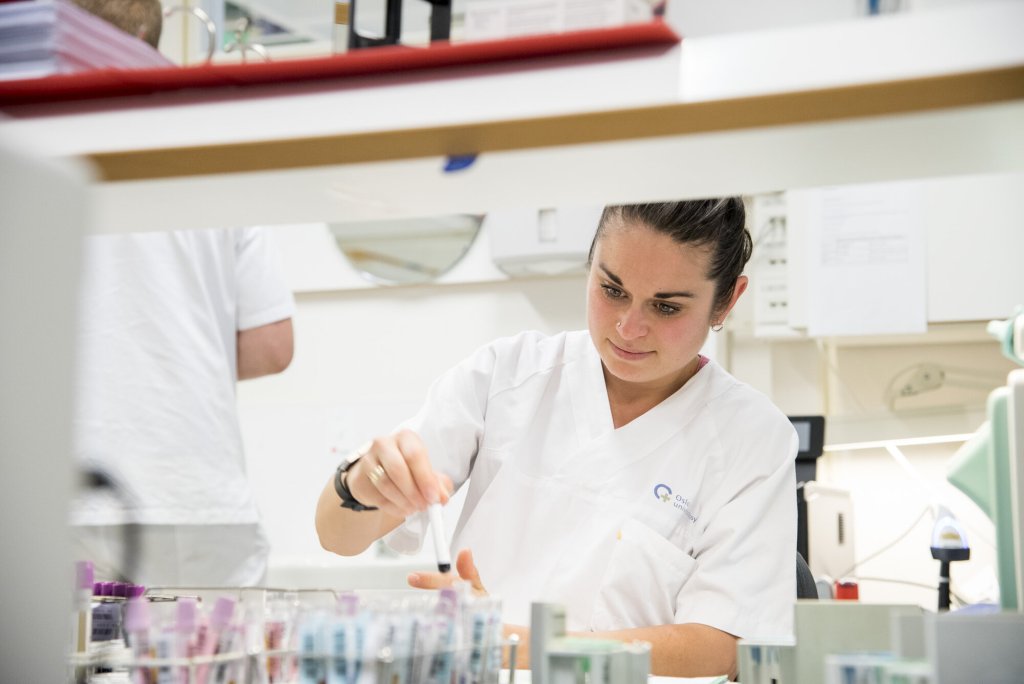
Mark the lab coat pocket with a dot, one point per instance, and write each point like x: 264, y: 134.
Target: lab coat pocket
x: 642, y: 582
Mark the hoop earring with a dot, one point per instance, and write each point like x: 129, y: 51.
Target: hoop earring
x: 717, y: 328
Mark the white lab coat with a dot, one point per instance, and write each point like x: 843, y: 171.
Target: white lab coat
x: 686, y: 514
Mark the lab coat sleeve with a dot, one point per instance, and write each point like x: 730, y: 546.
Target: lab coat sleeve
x: 451, y: 424
x: 745, y: 581
x: 263, y: 296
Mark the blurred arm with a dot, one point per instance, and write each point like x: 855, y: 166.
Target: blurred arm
x: 265, y: 350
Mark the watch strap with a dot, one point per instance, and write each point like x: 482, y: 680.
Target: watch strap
x: 347, y: 500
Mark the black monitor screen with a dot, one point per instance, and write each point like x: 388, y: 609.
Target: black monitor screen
x: 810, y: 431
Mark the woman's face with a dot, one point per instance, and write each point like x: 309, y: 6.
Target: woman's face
x: 649, y: 305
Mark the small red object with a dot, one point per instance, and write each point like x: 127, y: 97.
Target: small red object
x: 846, y: 590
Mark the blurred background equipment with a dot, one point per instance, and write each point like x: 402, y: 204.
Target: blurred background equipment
x: 989, y: 468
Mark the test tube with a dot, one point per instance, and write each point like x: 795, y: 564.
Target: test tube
x: 136, y: 628
x: 185, y: 623
x: 81, y: 627
x: 218, y: 637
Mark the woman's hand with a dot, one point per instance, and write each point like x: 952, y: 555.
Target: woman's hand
x: 466, y: 569
x: 394, y: 474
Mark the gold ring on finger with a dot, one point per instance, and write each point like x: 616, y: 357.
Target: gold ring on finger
x: 376, y: 474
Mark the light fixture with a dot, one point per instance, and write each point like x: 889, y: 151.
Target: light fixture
x: 908, y: 441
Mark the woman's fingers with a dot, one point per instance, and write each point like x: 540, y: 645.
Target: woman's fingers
x: 371, y: 483
x: 467, y: 571
x: 424, y: 479
x: 430, y: 580
x: 396, y: 456
x: 447, y: 488
x: 395, y: 475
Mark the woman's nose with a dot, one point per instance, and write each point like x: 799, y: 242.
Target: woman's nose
x: 631, y: 325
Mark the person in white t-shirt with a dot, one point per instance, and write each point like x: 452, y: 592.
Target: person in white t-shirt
x: 615, y: 471
x: 169, y: 322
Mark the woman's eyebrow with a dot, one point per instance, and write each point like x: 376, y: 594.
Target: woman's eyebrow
x: 611, y: 276
x: 657, y: 295
x: 670, y: 295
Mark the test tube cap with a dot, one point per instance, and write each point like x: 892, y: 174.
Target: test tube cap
x: 447, y: 601
x: 136, y: 615
x: 348, y: 603
x: 119, y: 589
x: 134, y: 591
x: 222, y: 612
x: 106, y: 588
x: 187, y: 615
x: 85, y: 574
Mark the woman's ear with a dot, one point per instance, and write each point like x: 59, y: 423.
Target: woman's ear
x: 741, y: 286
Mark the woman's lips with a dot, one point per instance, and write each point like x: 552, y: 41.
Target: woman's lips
x: 628, y: 355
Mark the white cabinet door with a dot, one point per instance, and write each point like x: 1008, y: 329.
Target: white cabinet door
x: 974, y: 241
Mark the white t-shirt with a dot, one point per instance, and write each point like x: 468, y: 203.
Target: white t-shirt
x: 686, y: 514
x: 157, y: 367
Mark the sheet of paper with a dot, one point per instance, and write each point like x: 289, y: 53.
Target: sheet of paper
x: 866, y: 261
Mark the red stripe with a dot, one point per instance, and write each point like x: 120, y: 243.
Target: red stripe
x: 109, y: 83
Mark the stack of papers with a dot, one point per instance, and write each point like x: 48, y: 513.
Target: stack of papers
x: 497, y: 19
x: 46, y: 37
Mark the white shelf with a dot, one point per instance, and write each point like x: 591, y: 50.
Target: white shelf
x: 901, y: 96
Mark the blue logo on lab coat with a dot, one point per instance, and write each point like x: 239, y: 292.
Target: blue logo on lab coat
x: 663, y: 493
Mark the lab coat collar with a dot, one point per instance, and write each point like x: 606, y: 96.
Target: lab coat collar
x: 630, y: 443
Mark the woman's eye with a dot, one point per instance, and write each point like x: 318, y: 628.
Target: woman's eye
x: 666, y: 309
x: 612, y: 292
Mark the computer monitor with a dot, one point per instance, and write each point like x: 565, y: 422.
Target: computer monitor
x: 989, y: 469
x: 810, y: 431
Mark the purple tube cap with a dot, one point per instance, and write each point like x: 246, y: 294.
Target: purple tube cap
x: 106, y: 588
x: 447, y: 601
x: 348, y: 603
x: 85, y: 574
x: 134, y: 591
x: 187, y: 615
x: 120, y: 589
x: 222, y: 612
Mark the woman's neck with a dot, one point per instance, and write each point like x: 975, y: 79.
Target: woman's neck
x: 630, y: 400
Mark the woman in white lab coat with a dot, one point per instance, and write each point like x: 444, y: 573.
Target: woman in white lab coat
x: 615, y: 471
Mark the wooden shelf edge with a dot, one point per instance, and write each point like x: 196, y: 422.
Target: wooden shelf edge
x: 918, y: 95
